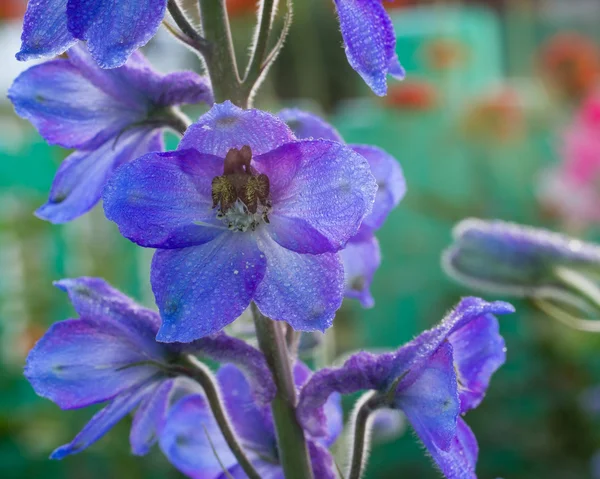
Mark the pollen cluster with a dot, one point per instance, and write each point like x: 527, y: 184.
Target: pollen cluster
x: 241, y: 193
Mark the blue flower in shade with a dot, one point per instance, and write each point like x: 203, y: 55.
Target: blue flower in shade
x: 434, y: 379
x: 190, y: 433
x: 512, y: 259
x: 361, y: 256
x: 241, y: 212
x: 369, y: 41
x: 110, y: 354
x: 109, y: 116
x: 113, y: 30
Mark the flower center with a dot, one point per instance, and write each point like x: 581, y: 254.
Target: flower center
x: 241, y: 193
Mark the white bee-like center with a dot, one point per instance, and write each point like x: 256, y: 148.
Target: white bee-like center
x: 239, y: 219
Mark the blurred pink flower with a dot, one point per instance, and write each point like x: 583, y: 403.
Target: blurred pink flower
x: 573, y: 188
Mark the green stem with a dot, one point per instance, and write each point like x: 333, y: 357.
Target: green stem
x: 200, y: 373
x: 291, y: 444
x: 220, y: 58
x: 369, y: 403
x: 191, y: 36
x: 260, y: 44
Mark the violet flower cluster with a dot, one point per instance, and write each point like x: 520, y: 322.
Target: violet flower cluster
x: 272, y: 214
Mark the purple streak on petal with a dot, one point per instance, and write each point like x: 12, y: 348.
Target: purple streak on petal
x: 323, y: 184
x: 201, y: 289
x: 113, y: 29
x: 322, y: 461
x: 86, y: 361
x: 361, y: 259
x: 361, y: 371
x: 226, y: 126
x: 253, y: 423
x: 185, y: 440
x: 303, y: 290
x: 306, y: 125
x: 370, y: 41
x: 66, y: 108
x: 431, y: 402
x: 183, y: 87
x: 459, y: 460
x: 150, y: 418
x: 390, y: 181
x: 226, y: 349
x: 81, y: 178
x: 479, y: 351
x: 95, y: 298
x: 163, y: 200
x: 45, y: 31
x: 104, y: 420
x: 265, y: 470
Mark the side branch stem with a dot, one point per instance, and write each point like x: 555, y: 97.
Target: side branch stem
x: 292, y: 447
x: 260, y: 45
x: 192, y: 36
x: 370, y: 402
x: 200, y: 373
x: 220, y: 58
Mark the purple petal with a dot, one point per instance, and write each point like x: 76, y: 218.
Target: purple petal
x: 201, y: 289
x: 150, y: 418
x: 189, y: 436
x: 132, y: 25
x: 253, y: 423
x: 361, y: 259
x: 479, y: 351
x: 104, y: 420
x: 45, y: 31
x: 86, y: 361
x: 264, y: 469
x: 370, y: 41
x: 225, y: 349
x: 431, y: 402
x: 183, y: 87
x: 507, y: 258
x: 307, y: 125
x: 322, y: 461
x: 316, y: 185
x: 95, y: 298
x: 361, y: 371
x: 390, y: 181
x: 81, y: 178
x: 459, y: 460
x: 307, y: 305
x: 66, y: 108
x: 409, y: 360
x: 164, y: 200
x: 226, y: 126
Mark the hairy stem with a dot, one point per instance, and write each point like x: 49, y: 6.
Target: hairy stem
x: 220, y: 58
x: 199, y: 372
x: 291, y: 444
x: 370, y: 402
x: 191, y: 36
x: 260, y: 44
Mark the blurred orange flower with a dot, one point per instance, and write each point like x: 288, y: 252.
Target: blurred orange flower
x: 415, y: 95
x: 570, y: 63
x: 241, y: 7
x: 12, y: 9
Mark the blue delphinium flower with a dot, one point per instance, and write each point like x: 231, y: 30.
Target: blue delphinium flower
x: 190, y: 432
x: 508, y: 258
x: 369, y: 41
x: 243, y: 211
x: 110, y: 354
x: 108, y: 116
x: 434, y: 379
x: 361, y: 256
x: 112, y: 30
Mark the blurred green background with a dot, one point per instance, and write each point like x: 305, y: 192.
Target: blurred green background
x: 490, y: 88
